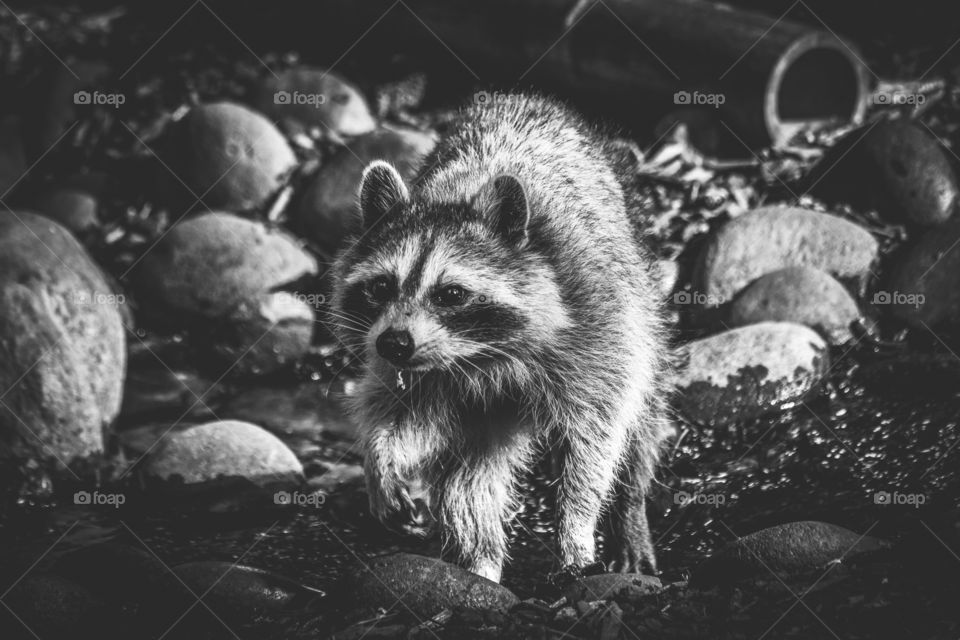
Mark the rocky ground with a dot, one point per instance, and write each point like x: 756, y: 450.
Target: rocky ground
x: 175, y: 459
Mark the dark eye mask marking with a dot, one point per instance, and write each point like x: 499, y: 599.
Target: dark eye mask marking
x: 483, y: 322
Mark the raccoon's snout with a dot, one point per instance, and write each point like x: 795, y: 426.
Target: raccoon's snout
x: 395, y: 346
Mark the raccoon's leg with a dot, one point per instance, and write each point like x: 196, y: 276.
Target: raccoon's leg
x: 394, y: 460
x: 592, y: 458
x: 479, y: 499
x: 628, y: 546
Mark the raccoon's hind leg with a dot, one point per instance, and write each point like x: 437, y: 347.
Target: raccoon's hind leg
x: 479, y: 498
x: 628, y: 546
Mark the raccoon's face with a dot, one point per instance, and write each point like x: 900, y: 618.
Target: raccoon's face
x: 445, y: 287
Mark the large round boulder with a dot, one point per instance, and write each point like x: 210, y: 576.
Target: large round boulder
x: 773, y: 238
x: 310, y: 97
x: 62, y: 343
x: 748, y: 371
x: 329, y: 210
x: 231, y: 157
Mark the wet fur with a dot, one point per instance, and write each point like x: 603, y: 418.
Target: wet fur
x: 566, y: 347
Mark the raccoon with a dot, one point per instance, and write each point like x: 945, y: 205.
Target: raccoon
x: 500, y: 304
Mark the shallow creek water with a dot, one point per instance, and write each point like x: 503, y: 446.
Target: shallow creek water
x: 881, y: 423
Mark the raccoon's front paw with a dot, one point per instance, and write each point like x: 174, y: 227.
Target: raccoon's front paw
x: 393, y: 506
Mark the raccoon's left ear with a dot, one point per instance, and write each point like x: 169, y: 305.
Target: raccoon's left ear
x: 381, y: 189
x: 504, y: 201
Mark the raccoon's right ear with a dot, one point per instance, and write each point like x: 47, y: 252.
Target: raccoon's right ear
x: 504, y: 202
x: 381, y: 190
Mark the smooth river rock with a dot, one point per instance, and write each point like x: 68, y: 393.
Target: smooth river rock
x: 231, y: 157
x: 748, y: 371
x: 798, y: 294
x: 328, y: 211
x: 223, y: 272
x: 784, y: 549
x: 772, y: 238
x: 898, y: 168
x: 924, y: 286
x: 425, y: 587
x: 225, y: 450
x: 213, y: 263
x: 62, y: 342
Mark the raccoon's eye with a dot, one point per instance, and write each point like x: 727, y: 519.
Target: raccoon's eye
x: 380, y: 289
x: 451, y: 295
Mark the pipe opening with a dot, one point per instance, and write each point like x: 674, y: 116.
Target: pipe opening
x: 818, y: 87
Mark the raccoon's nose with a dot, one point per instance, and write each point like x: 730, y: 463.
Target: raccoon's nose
x: 395, y: 346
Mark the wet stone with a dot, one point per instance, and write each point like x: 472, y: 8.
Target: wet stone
x: 785, y: 549
x: 898, y: 168
x: 211, y: 264
x: 803, y: 295
x: 223, y: 451
x: 430, y: 585
x: 923, y: 288
x: 749, y: 371
x: 222, y: 273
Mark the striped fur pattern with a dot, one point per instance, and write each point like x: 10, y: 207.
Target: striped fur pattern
x: 558, y: 338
